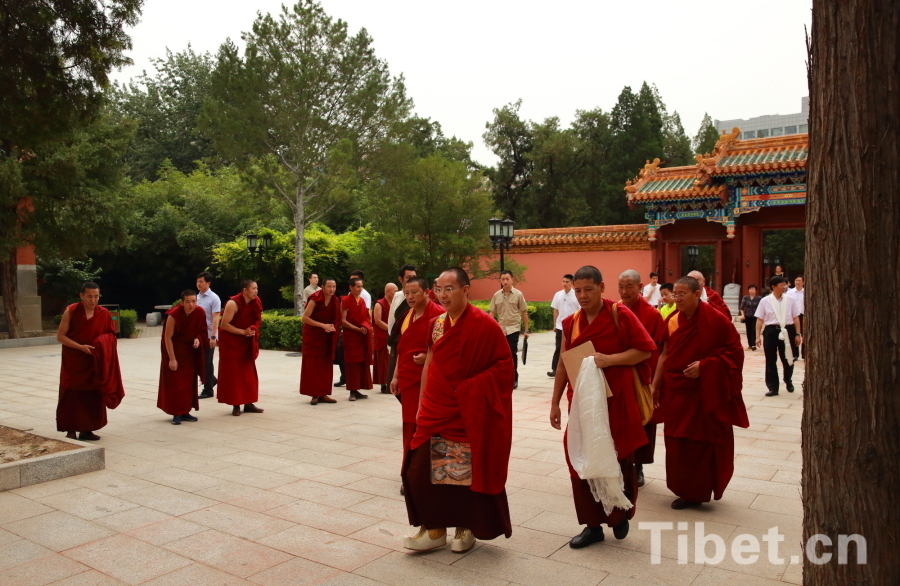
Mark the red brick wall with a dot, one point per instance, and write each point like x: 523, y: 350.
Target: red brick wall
x: 545, y: 270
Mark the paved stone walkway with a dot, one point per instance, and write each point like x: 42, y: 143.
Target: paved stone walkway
x: 309, y: 495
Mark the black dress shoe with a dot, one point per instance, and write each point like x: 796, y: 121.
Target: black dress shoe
x: 384, y: 389
x: 621, y: 530
x: 681, y: 503
x: 790, y: 388
x: 640, y: 476
x: 587, y: 537
x: 772, y: 394
x: 340, y: 383
x: 552, y: 374
x: 205, y: 395
x: 359, y: 395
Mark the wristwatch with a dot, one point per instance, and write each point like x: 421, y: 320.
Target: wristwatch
x: 213, y: 337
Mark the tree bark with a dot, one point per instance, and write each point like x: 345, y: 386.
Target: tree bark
x: 9, y: 269
x: 299, y: 280
x: 851, y: 415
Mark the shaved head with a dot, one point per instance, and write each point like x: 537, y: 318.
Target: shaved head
x: 390, y: 288
x: 699, y: 276
x: 630, y: 274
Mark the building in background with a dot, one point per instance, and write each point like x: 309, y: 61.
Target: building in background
x: 29, y: 301
x: 768, y: 126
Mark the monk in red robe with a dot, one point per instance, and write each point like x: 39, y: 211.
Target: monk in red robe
x: 618, y: 347
x: 630, y: 288
x: 698, y: 388
x: 412, y: 349
x: 239, y: 348
x: 709, y: 295
x: 89, y: 380
x: 357, y: 337
x: 184, y: 346
x: 466, y: 397
x: 380, y: 313
x: 321, y: 324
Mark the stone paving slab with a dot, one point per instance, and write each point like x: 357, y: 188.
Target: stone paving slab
x: 307, y: 494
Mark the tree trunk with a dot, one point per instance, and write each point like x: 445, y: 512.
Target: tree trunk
x: 299, y: 280
x: 9, y: 275
x: 851, y: 415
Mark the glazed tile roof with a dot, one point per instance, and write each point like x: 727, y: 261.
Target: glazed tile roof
x: 582, y: 237
x: 730, y: 157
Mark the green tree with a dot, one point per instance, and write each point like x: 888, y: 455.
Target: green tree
x: 56, y: 57
x: 637, y: 136
x: 705, y: 140
x: 510, y: 138
x: 431, y: 212
x: 309, y: 103
x: 595, y: 139
x: 173, y: 224
x: 554, y: 198
x: 167, y: 106
x: 327, y: 254
x: 676, y: 144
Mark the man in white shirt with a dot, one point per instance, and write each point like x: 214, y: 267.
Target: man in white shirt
x: 777, y: 312
x: 651, y: 292
x: 313, y: 287
x: 212, y: 306
x: 564, y: 304
x: 797, y: 294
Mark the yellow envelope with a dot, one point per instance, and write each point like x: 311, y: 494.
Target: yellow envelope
x: 573, y: 359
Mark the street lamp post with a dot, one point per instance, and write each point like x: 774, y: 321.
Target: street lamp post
x: 254, y: 246
x: 501, y: 232
x: 693, y: 252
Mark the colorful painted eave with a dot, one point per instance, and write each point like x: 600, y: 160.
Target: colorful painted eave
x: 730, y: 157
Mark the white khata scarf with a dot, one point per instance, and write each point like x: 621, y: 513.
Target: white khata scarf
x: 590, y: 443
x: 703, y: 295
x: 780, y: 308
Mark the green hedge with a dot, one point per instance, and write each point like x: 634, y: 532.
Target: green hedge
x: 127, y: 322
x: 284, y: 312
x: 540, y: 314
x: 280, y: 332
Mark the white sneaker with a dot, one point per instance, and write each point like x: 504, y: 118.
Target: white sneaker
x: 423, y: 541
x: 463, y: 541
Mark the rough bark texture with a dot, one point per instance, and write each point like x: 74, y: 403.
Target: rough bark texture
x: 9, y: 271
x: 851, y: 417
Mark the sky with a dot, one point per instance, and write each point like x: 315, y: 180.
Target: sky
x: 460, y: 62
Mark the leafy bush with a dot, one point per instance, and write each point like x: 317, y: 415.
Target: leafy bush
x: 127, y: 322
x: 280, y: 332
x: 57, y: 319
x: 283, y: 312
x: 540, y: 314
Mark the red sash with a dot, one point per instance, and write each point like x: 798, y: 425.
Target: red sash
x: 357, y: 346
x: 702, y: 408
x: 415, y: 340
x: 624, y: 417
x: 100, y: 369
x: 468, y: 394
x: 316, y: 341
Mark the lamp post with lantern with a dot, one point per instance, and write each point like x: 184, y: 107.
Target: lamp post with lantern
x: 501, y: 233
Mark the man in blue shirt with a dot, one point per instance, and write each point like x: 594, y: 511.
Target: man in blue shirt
x: 212, y: 305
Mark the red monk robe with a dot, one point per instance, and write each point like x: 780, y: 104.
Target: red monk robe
x: 467, y: 398
x: 655, y: 326
x: 88, y: 383
x: 319, y: 347
x: 238, y: 381
x: 699, y: 412
x: 624, y: 417
x: 716, y: 301
x: 415, y: 337
x: 357, y: 346
x: 382, y: 354
x: 178, y: 389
